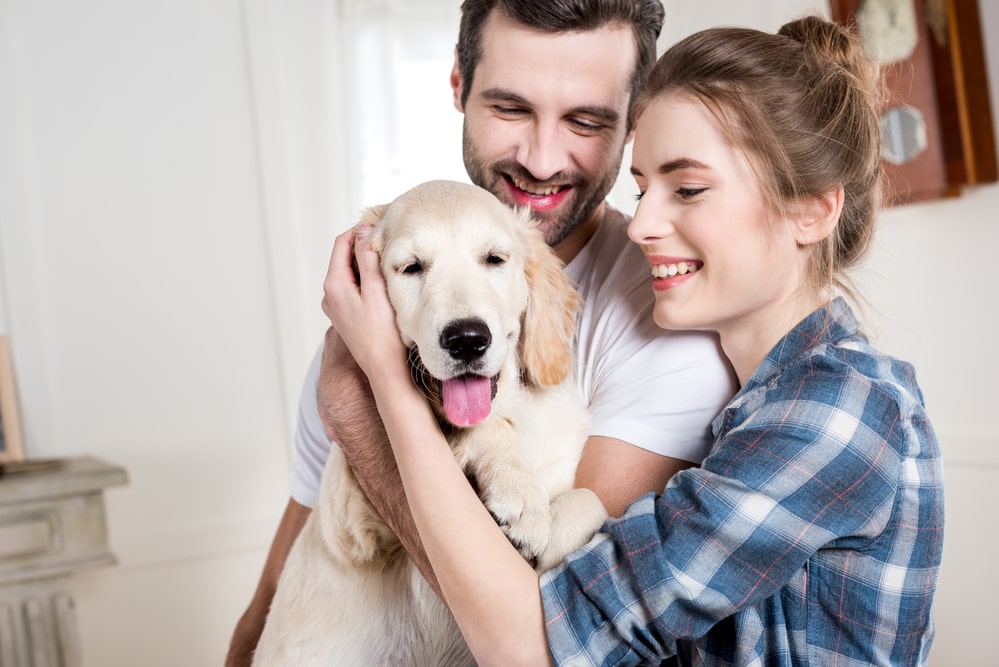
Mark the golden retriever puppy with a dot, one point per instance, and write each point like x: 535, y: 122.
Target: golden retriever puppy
x: 489, y: 317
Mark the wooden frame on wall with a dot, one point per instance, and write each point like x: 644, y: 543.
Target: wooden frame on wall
x: 11, y: 449
x: 939, y: 89
x: 963, y: 93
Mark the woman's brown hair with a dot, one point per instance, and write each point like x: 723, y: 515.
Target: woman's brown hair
x: 802, y: 104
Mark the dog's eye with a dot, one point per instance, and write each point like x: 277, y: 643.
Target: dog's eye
x: 413, y: 268
x: 493, y: 258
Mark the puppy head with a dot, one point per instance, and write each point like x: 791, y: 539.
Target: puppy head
x: 473, y: 285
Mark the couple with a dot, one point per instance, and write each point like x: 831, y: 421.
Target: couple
x: 812, y: 529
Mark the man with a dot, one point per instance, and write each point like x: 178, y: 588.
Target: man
x: 546, y: 90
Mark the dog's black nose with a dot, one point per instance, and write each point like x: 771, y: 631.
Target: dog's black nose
x: 466, y: 340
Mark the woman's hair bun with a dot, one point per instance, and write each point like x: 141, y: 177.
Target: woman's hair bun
x: 837, y: 45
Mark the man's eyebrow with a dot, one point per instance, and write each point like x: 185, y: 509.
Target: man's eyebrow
x: 675, y: 165
x: 606, y: 114
x: 503, y: 95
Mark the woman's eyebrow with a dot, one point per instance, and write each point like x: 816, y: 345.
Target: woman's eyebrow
x: 675, y: 165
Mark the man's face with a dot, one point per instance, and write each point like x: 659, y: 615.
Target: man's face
x: 546, y: 119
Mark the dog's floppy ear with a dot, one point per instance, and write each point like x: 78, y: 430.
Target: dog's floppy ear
x: 370, y: 218
x: 550, y: 321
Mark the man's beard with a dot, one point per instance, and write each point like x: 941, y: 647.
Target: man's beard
x: 584, y: 199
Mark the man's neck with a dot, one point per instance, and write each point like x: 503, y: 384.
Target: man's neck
x: 570, y: 246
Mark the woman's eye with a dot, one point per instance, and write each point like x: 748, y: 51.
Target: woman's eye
x: 689, y: 193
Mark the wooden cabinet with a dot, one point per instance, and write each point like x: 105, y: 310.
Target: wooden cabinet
x: 52, y: 524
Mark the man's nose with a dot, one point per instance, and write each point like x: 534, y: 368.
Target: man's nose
x: 544, y: 152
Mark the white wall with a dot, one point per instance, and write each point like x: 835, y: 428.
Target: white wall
x: 169, y: 187
x: 141, y: 301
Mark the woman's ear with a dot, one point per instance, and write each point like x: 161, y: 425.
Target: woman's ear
x: 818, y: 217
x: 456, y: 83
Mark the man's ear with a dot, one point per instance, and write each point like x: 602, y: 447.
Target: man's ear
x: 818, y: 217
x: 456, y: 83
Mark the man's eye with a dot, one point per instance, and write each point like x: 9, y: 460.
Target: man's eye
x: 508, y: 111
x: 587, y: 126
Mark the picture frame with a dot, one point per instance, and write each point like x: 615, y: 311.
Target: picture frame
x: 11, y: 448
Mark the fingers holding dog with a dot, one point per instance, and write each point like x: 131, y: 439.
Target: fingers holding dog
x: 359, y: 309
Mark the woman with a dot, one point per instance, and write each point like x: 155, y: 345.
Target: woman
x: 812, y: 533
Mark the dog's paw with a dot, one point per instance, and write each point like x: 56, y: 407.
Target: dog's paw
x: 529, y: 533
x: 576, y: 516
x: 525, y: 521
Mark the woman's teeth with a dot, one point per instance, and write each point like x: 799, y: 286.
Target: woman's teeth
x: 670, y: 270
x: 534, y: 190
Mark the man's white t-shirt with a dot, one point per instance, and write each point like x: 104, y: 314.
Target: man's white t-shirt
x: 655, y: 389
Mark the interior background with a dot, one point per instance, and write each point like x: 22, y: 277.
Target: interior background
x: 172, y: 174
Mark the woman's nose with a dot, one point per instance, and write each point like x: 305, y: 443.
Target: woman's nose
x: 649, y: 223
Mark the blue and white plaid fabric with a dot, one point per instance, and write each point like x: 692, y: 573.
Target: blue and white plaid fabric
x: 811, y: 534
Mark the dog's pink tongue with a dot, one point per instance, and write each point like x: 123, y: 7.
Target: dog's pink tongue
x: 466, y: 399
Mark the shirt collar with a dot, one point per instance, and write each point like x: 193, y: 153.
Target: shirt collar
x: 828, y: 325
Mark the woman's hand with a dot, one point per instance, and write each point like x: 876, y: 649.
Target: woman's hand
x: 358, y: 306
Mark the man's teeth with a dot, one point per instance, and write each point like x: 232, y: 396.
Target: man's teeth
x: 670, y: 270
x: 531, y: 189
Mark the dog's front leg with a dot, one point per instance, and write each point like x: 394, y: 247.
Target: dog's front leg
x: 508, y: 486
x: 577, y: 515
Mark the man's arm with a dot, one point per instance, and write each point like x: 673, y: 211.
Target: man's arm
x: 349, y: 413
x: 251, y: 623
x: 619, y: 472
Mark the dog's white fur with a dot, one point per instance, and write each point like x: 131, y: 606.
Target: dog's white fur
x: 349, y: 595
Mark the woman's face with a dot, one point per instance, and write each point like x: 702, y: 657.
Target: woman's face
x: 721, y: 258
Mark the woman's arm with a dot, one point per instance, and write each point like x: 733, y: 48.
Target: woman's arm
x: 491, y: 590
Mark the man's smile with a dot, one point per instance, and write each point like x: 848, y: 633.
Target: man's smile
x: 537, y: 197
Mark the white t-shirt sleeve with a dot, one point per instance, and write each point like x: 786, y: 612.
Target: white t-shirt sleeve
x: 654, y: 389
x: 662, y: 394
x: 312, y: 445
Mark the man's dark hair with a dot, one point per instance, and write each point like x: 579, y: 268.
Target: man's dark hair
x: 644, y: 16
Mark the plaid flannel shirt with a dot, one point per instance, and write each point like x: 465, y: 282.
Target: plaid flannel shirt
x: 811, y: 534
